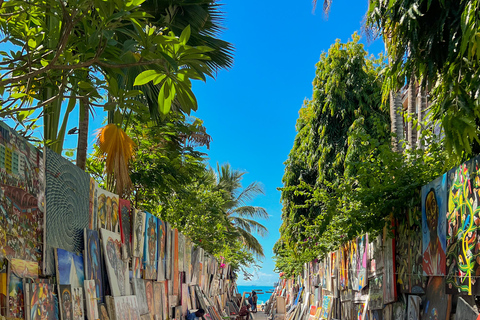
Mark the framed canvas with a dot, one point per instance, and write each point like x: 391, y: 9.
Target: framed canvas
x: 117, y: 268
x: 138, y: 236
x: 70, y: 269
x: 149, y: 296
x: 43, y: 302
x: 150, y: 253
x: 126, y: 308
x: 94, y: 262
x: 141, y: 294
x: 66, y: 301
x: 158, y: 288
x: 107, y: 211
x: 77, y: 300
x: 91, y: 299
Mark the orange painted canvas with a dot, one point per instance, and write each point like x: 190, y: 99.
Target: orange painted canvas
x: 24, y: 269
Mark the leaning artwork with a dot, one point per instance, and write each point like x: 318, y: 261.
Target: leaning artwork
x: 107, y: 210
x: 140, y: 293
x: 91, y: 299
x: 126, y: 308
x: 126, y: 225
x: 150, y: 251
x: 69, y: 268
x: 117, y: 269
x: 77, y: 299
x: 463, y: 214
x: 43, y: 302
x: 24, y: 269
x: 93, y: 261
x: 138, y: 236
x: 65, y: 302
x: 434, y: 210
x: 161, y: 251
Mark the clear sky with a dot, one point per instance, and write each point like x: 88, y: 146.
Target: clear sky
x: 251, y: 110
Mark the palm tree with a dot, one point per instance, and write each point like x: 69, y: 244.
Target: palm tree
x: 239, y: 213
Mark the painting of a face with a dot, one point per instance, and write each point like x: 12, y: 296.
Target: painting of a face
x: 431, y: 210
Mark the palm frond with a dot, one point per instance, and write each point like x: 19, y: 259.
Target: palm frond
x: 249, y: 225
x: 249, y: 193
x: 249, y: 211
x: 251, y: 243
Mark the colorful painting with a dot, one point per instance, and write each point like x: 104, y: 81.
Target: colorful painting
x: 93, y: 262
x: 66, y: 302
x: 16, y: 303
x: 126, y: 308
x: 22, y: 197
x: 352, y: 265
x: 327, y: 302
x: 43, y: 302
x: 161, y: 250
x: 126, y: 226
x: 362, y: 260
x: 136, y: 267
x: 418, y: 282
x: 138, y: 233
x: 117, y: 268
x: 3, y: 287
x: 343, y: 270
x: 389, y: 280
x: 91, y: 299
x: 463, y: 214
x: 77, y: 300
x: 107, y: 211
x: 69, y: 268
x: 402, y: 258
x: 158, y: 299
x: 24, y: 269
x: 150, y: 253
x: 67, y: 195
x: 414, y: 303
x: 437, y: 304
x: 375, y: 292
x: 149, y: 295
x: 360, y: 311
x: 141, y: 294
x: 434, y: 211
x: 375, y: 255
x: 102, y: 311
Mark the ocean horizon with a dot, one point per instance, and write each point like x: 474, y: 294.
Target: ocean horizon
x: 262, y: 297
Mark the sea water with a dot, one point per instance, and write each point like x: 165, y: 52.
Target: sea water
x: 262, y: 297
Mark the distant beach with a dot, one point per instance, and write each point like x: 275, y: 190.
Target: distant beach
x: 262, y: 298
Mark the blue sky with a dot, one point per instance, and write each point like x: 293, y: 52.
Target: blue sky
x: 251, y: 110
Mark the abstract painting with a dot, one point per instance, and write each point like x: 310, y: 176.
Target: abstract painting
x: 150, y: 253
x: 360, y: 311
x: 22, y: 197
x: 138, y: 233
x: 375, y: 293
x: 162, y: 238
x: 66, y: 301
x: 93, y: 262
x: 43, y: 302
x: 107, y: 211
x: 149, y: 295
x: 413, y: 312
x: 67, y: 209
x: 362, y: 260
x: 437, y: 304
x: 389, y: 280
x: 158, y: 299
x: 126, y: 225
x: 69, y: 268
x: 462, y: 229
x: 16, y: 303
x: 24, y: 269
x: 77, y: 300
x: 117, y: 268
x: 352, y: 265
x: 434, y: 212
x: 126, y: 308
x: 140, y: 293
x: 327, y: 302
x: 91, y: 299
x: 343, y: 270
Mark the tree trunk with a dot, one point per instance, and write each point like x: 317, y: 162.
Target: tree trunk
x: 396, y: 120
x: 412, y: 132
x: 82, y: 135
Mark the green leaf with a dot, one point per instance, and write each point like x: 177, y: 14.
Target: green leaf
x: 145, y: 77
x: 185, y: 36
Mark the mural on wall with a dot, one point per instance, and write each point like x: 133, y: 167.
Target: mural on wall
x: 150, y: 253
x: 361, y: 265
x: 69, y: 268
x: 434, y: 210
x: 43, y: 302
x: 94, y: 262
x: 462, y: 231
x: 126, y: 226
x: 418, y: 282
x: 66, y: 302
x: 22, y: 197
x: 117, y: 269
x: 107, y: 211
x: 437, y: 304
x: 138, y: 236
x: 67, y: 195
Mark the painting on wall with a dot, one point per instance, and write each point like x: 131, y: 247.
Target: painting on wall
x: 43, y: 302
x: 362, y: 258
x: 150, y: 253
x: 126, y: 226
x: 91, y: 299
x: 77, y: 300
x: 138, y: 236
x: 107, y: 211
x: 117, y: 269
x: 136, y: 267
x: 16, y: 302
x: 352, y: 266
x: 413, y: 311
x: 69, y: 268
x: 22, y: 197
x: 65, y: 302
x: 161, y: 250
x: 434, y: 211
x: 418, y: 282
x: 389, y: 269
x: 463, y: 214
x: 94, y: 262
x: 149, y: 295
x: 402, y: 259
x: 158, y: 299
x: 24, y: 269
x: 141, y: 294
x: 126, y: 308
x: 375, y: 292
x: 375, y: 255
x: 67, y: 207
x: 437, y: 303
x: 327, y: 303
